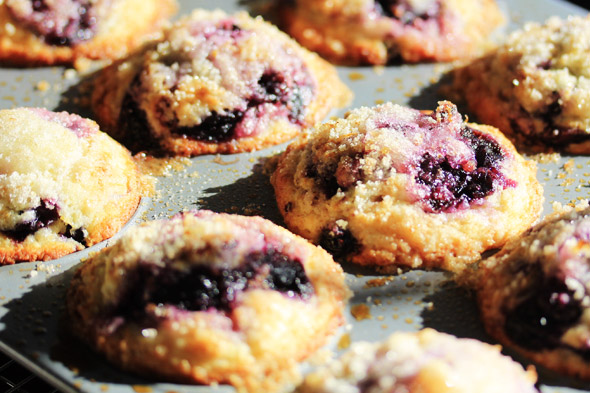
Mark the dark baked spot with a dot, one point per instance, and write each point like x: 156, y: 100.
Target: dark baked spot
x: 345, y: 174
x: 551, y: 134
x: 349, y: 171
x: 326, y: 182
x: 275, y: 88
x: 451, y: 185
x: 545, y: 65
x: 403, y: 11
x: 137, y: 136
x: 545, y: 313
x: 338, y: 241
x: 551, y: 110
x: 43, y: 215
x: 288, y: 207
x: 78, y: 234
x: 203, y: 287
x: 75, y: 21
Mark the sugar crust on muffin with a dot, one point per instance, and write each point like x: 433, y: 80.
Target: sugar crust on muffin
x: 217, y: 83
x: 393, y: 187
x: 64, y: 184
x: 209, y: 298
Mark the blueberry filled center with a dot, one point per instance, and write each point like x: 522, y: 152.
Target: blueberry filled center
x: 240, y: 105
x: 449, y: 185
x: 204, y: 287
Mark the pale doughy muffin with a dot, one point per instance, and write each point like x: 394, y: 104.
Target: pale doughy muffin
x: 217, y: 83
x: 394, y: 187
x: 64, y: 184
x: 209, y: 298
x: 536, y: 87
x: 534, y: 294
x: 379, y: 31
x: 64, y: 31
x: 421, y: 362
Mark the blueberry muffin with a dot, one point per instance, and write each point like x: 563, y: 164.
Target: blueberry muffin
x: 64, y: 184
x: 209, y: 298
x: 421, y: 362
x: 217, y: 83
x: 395, y: 187
x: 534, y: 294
x: 34, y: 32
x: 536, y: 87
x: 379, y: 31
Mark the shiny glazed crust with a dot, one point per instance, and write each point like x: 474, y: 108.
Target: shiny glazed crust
x: 209, y: 92
x: 355, y: 32
x: 421, y: 362
x: 558, y: 247
x: 388, y: 228
x: 535, y: 88
x: 255, y: 346
x: 91, y: 180
x: 130, y: 24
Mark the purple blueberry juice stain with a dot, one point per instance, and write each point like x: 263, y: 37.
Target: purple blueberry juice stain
x: 60, y: 22
x: 206, y: 287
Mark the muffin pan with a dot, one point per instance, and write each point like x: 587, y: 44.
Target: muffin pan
x: 32, y: 329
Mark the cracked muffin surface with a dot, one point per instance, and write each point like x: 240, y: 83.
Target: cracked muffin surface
x: 536, y: 86
x: 533, y: 294
x: 217, y: 83
x: 395, y: 187
x: 64, y: 184
x: 43, y: 32
x: 381, y: 31
x: 209, y: 298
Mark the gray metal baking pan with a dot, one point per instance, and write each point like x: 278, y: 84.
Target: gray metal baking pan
x: 32, y: 294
